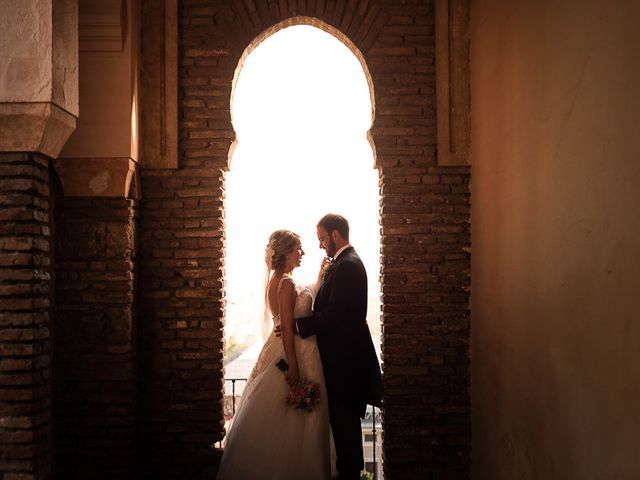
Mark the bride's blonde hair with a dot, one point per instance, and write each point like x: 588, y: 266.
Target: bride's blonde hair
x: 281, y: 242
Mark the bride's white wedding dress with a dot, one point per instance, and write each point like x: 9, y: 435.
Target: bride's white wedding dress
x: 268, y: 439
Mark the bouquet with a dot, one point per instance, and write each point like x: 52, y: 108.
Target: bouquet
x: 303, y: 394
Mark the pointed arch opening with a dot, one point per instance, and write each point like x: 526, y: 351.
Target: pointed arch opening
x: 302, y: 107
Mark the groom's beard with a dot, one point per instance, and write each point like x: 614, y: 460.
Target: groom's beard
x: 331, y: 248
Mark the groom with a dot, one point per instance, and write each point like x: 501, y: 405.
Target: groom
x: 350, y: 363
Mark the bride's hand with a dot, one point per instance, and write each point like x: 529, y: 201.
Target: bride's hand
x: 293, y: 377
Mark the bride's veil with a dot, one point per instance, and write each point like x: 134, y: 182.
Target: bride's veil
x: 266, y: 323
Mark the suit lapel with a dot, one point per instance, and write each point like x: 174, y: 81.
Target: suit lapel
x: 328, y: 279
x: 322, y: 292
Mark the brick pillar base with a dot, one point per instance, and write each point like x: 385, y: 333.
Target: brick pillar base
x: 25, y: 338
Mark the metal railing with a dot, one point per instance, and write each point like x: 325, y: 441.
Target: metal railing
x: 233, y: 391
x: 374, y: 420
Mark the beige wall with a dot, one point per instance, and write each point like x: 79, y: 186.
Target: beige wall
x: 26, y: 75
x: 38, y: 74
x: 100, y: 158
x: 556, y: 239
x: 107, y: 125
x: 39, y: 54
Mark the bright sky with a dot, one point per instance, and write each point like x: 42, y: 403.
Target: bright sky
x: 301, y: 111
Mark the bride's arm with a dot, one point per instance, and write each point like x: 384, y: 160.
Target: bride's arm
x: 315, y: 287
x: 286, y: 300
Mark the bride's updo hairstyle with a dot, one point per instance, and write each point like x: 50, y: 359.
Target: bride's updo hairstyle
x: 281, y: 242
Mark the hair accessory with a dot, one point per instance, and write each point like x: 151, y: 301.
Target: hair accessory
x: 268, y: 255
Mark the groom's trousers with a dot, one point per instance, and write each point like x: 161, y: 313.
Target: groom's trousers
x: 347, y: 436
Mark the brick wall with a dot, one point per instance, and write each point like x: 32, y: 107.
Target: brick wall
x: 25, y: 336
x: 426, y: 238
x: 95, y: 333
x: 426, y: 326
x: 425, y: 224
x: 181, y: 311
x: 425, y: 217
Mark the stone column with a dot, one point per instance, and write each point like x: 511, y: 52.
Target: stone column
x: 38, y: 110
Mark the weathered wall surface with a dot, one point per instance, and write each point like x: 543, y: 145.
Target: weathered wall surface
x: 39, y: 75
x: 555, y: 305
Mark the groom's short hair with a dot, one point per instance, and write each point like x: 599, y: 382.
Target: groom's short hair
x: 332, y: 221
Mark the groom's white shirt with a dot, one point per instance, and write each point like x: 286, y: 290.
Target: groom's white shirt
x: 335, y: 257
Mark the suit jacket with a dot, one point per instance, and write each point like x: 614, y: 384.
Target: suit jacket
x: 351, y: 368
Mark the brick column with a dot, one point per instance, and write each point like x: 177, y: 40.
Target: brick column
x: 426, y: 240
x: 38, y: 109
x: 181, y: 315
x: 182, y: 240
x: 25, y: 336
x: 95, y: 341
x: 425, y: 218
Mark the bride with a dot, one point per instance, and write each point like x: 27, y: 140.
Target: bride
x: 268, y: 438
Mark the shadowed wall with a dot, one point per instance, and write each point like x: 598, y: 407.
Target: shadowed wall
x: 556, y: 377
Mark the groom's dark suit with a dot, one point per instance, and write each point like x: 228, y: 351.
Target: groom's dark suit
x: 349, y: 360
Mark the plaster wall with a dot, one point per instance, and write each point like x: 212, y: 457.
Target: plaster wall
x: 39, y: 52
x: 65, y: 55
x: 26, y: 75
x: 555, y: 263
x: 107, y: 125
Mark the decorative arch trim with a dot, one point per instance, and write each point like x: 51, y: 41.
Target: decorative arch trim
x: 360, y: 20
x: 314, y: 22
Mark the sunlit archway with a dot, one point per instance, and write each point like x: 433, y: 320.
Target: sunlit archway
x: 301, y: 110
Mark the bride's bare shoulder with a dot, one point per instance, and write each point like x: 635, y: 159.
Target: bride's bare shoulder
x: 279, y: 284
x: 286, y: 285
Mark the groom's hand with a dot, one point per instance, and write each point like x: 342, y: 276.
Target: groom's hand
x: 324, y: 267
x: 326, y: 263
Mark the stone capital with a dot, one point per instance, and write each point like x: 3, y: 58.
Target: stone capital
x: 98, y: 177
x: 39, y: 75
x: 34, y: 127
